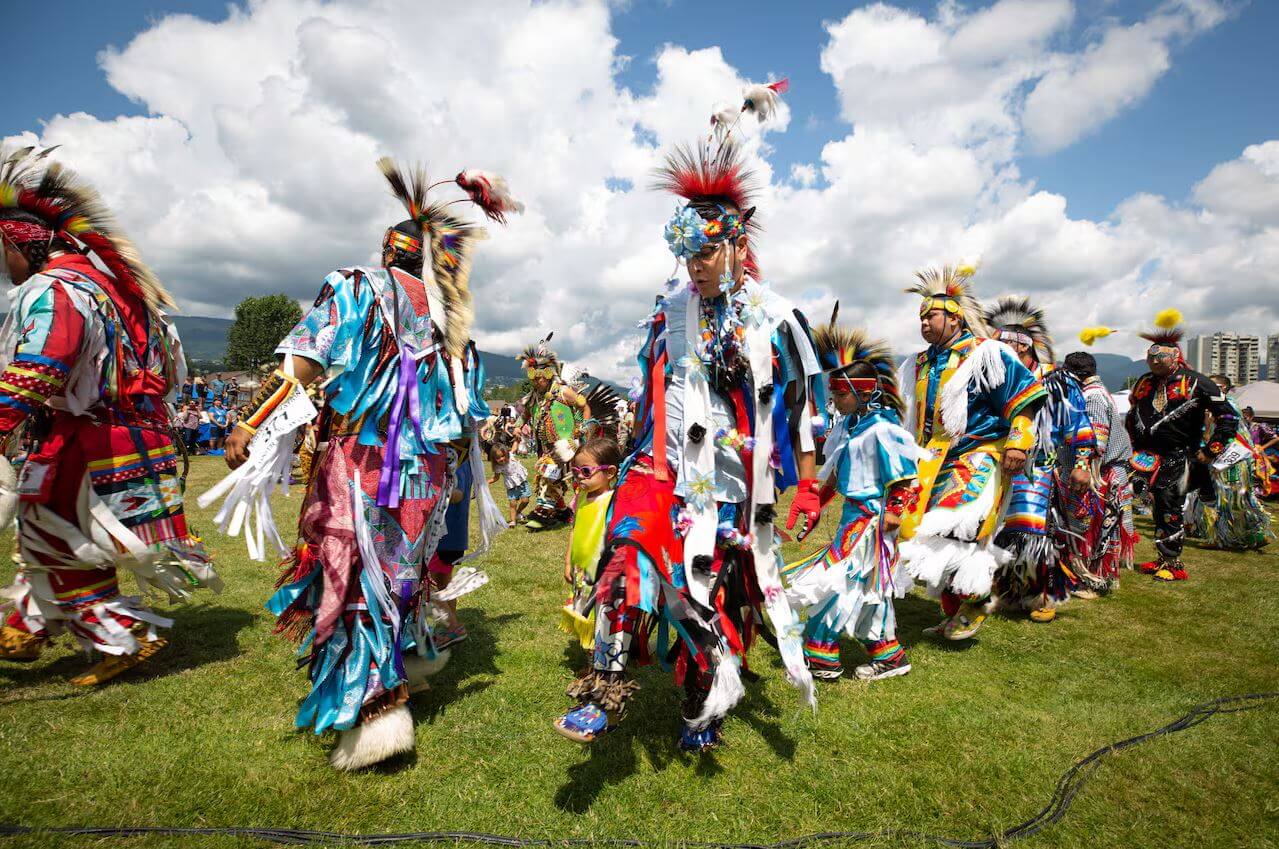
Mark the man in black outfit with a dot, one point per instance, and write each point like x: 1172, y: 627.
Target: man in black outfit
x: 1166, y: 419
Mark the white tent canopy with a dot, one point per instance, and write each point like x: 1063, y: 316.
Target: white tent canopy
x: 1261, y: 395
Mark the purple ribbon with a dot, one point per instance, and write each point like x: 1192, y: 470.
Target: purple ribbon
x: 388, y: 485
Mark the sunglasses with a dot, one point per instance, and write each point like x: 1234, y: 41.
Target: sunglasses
x: 584, y: 472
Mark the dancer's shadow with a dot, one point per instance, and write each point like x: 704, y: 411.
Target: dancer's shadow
x: 652, y: 725
x: 914, y: 614
x: 201, y: 634
x: 472, y: 666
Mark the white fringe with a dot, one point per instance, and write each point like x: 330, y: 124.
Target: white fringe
x: 906, y: 379
x: 726, y: 691
x: 373, y: 742
x: 248, y: 488
x: 982, y: 371
x: 943, y: 563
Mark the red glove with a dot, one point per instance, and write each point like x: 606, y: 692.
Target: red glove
x: 808, y: 502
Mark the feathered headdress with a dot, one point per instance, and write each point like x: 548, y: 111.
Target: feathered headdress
x: 839, y: 348
x: 719, y: 188
x: 950, y: 288
x: 759, y: 99
x: 74, y: 213
x: 1168, y: 331
x: 539, y: 357
x: 450, y: 239
x: 1016, y: 319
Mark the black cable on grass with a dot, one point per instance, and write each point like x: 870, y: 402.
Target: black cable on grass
x: 1068, y: 787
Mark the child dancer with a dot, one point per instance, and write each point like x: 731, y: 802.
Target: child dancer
x: 594, y: 470
x: 848, y: 587
x: 514, y: 478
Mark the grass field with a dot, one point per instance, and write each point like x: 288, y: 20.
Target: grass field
x: 972, y: 742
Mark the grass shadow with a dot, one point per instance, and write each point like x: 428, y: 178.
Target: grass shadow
x: 475, y: 658
x: 201, y: 634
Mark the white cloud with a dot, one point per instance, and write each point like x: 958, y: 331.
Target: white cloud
x: 1084, y: 91
x: 254, y: 170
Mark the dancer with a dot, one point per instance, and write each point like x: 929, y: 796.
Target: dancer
x: 1051, y: 503
x: 1166, y: 421
x: 971, y: 402
x: 848, y: 587
x: 405, y: 390
x: 1225, y: 510
x: 1113, y: 536
x: 555, y: 413
x: 1265, y: 438
x: 89, y: 361
x: 725, y: 419
x: 594, y: 470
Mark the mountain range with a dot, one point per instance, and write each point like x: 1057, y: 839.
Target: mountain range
x: 205, y: 339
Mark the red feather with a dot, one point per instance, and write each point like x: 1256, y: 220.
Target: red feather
x: 781, y: 86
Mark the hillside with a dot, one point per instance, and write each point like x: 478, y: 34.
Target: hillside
x: 204, y: 339
x: 1115, y: 369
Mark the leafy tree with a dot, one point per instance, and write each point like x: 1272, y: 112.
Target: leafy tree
x: 260, y: 324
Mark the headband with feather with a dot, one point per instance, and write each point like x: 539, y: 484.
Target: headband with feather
x: 75, y: 213
x: 718, y: 187
x: 840, y: 347
x: 950, y: 288
x: 451, y: 241
x: 1015, y: 319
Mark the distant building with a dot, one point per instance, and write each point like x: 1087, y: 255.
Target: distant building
x: 1272, y: 356
x: 1236, y: 355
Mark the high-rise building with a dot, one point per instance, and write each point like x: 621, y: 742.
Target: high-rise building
x: 1272, y: 356
x: 1236, y: 355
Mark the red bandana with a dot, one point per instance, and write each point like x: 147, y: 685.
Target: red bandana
x: 22, y: 232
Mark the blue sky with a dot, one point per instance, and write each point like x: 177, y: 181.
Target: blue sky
x: 1217, y: 98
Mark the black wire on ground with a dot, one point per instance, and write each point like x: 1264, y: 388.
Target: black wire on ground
x: 1067, y: 789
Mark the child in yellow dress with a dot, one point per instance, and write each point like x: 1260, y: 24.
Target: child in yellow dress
x: 594, y: 470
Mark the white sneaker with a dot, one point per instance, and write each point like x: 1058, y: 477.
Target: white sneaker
x: 879, y: 670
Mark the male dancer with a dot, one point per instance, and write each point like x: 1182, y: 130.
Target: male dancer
x: 405, y: 382
x: 90, y: 361
x: 971, y: 402
x: 725, y: 420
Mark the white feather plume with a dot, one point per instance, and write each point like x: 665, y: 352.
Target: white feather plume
x: 763, y: 99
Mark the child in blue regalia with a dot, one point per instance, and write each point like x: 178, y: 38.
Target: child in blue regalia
x: 848, y: 587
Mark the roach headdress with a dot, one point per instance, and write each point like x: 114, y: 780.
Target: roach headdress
x: 42, y: 202
x: 718, y: 188
x: 539, y: 360
x: 950, y: 288
x: 1015, y: 319
x: 840, y: 348
x: 1168, y: 330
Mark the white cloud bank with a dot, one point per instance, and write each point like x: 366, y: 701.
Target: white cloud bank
x: 253, y: 171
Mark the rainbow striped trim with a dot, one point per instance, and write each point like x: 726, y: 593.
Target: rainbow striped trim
x: 273, y: 396
x: 1022, y: 398
x: 82, y: 597
x: 115, y: 467
x: 885, y: 651
x: 822, y: 653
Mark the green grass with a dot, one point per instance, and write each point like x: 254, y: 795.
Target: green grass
x: 972, y: 742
